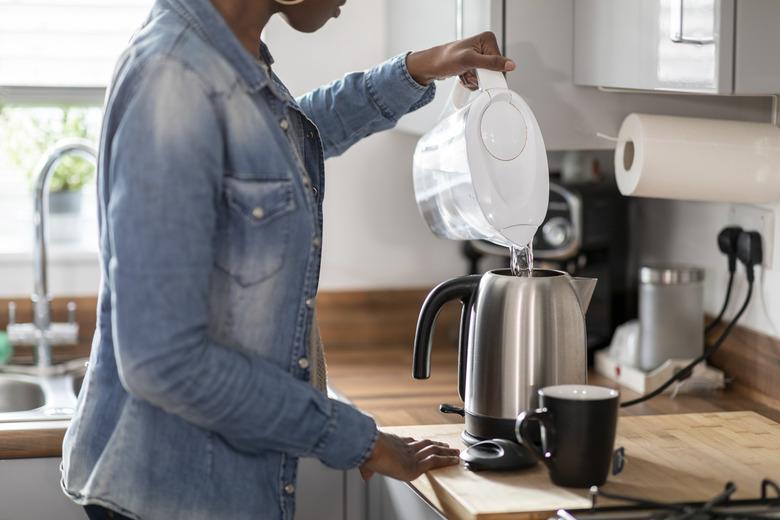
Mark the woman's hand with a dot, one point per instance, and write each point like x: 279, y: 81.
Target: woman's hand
x: 458, y: 59
x: 406, y: 458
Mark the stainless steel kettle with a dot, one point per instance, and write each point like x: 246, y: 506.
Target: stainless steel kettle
x: 517, y: 334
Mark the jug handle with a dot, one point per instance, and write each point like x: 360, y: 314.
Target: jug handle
x: 490, y: 79
x: 462, y: 288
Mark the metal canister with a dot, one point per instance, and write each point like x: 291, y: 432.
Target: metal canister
x: 671, y: 314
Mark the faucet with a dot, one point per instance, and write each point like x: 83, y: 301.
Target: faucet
x: 42, y: 333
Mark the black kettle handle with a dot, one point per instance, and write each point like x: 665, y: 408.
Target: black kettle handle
x: 462, y: 288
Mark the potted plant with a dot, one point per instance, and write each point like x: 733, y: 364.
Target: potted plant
x: 30, y: 132
x: 73, y: 172
x: 67, y: 182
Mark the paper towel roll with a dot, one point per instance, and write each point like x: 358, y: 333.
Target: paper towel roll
x: 698, y: 159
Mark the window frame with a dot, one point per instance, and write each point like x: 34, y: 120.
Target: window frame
x: 46, y: 96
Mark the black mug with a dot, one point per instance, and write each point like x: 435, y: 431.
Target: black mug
x: 578, y: 424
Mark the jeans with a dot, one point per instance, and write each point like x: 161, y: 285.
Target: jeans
x: 101, y: 513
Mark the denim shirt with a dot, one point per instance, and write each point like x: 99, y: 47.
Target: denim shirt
x: 197, y: 402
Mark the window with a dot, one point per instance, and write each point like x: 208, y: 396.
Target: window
x: 56, y: 59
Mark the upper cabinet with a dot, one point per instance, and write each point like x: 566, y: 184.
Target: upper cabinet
x: 557, y: 42
x: 697, y: 46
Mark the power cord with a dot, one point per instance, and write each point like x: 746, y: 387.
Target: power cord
x: 750, y: 253
x: 727, y: 243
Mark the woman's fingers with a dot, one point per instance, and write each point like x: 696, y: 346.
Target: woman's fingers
x: 495, y: 62
x: 434, y: 449
x: 438, y: 461
x: 415, y: 444
x: 418, y: 445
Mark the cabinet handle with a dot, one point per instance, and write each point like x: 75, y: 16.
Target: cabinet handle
x: 677, y: 21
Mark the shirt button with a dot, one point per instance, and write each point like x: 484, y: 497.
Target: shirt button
x: 317, y: 242
x: 284, y: 124
x: 315, y: 190
x: 289, y: 489
x: 258, y: 212
x: 310, y: 303
x: 303, y: 363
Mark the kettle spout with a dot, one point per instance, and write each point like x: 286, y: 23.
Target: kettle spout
x: 584, y: 288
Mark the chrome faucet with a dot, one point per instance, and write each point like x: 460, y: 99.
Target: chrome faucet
x: 42, y: 333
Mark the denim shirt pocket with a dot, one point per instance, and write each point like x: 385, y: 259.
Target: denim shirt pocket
x: 256, y: 231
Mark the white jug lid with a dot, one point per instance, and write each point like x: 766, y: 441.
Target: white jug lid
x: 504, y: 130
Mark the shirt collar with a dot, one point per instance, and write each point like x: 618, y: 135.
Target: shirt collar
x: 207, y: 22
x: 266, y: 54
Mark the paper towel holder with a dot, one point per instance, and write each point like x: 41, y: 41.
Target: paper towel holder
x: 628, y: 154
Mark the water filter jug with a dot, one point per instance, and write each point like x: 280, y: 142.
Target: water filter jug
x: 481, y: 173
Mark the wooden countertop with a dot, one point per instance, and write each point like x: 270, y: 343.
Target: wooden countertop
x: 684, y: 458
x: 378, y: 380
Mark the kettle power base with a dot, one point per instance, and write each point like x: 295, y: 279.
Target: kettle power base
x: 703, y: 377
x: 497, y: 455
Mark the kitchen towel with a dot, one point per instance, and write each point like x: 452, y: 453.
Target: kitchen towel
x: 698, y: 159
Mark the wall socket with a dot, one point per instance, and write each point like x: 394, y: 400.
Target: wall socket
x: 756, y: 218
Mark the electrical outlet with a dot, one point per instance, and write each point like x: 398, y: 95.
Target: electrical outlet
x: 756, y: 218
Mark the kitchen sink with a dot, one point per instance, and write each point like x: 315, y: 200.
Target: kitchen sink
x: 18, y: 395
x: 28, y: 396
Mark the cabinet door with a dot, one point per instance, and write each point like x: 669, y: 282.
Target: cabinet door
x: 30, y: 490
x: 320, y: 494
x: 540, y: 40
x: 679, y: 45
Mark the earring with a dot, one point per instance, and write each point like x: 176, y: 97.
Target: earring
x: 288, y: 2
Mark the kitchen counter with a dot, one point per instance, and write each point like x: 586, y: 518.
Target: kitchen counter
x: 377, y: 379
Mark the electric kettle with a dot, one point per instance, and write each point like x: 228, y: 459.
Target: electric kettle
x: 482, y: 172
x: 517, y: 334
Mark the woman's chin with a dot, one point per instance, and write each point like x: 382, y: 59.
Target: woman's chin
x: 306, y: 26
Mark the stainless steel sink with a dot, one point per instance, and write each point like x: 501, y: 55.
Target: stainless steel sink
x: 19, y: 395
x: 39, y: 397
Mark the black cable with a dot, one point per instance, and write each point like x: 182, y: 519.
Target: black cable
x: 709, y: 351
x: 709, y: 328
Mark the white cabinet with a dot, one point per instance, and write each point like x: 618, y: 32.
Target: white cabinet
x: 390, y: 499
x: 539, y: 36
x: 30, y: 490
x: 540, y: 39
x: 699, y: 46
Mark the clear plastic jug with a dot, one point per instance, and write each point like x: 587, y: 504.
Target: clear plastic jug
x: 482, y: 172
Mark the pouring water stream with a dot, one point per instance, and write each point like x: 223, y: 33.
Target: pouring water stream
x: 521, y: 260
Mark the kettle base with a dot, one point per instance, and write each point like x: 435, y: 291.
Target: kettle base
x: 482, y: 427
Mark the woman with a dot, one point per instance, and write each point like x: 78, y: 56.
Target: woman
x: 201, y: 395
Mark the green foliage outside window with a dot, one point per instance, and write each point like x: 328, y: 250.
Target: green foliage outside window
x: 26, y: 133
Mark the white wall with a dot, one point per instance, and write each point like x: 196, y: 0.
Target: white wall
x: 374, y: 236
x: 685, y: 232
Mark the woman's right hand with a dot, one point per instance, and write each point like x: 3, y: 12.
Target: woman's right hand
x: 406, y: 458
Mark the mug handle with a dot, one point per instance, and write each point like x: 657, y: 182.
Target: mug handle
x: 544, y: 418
